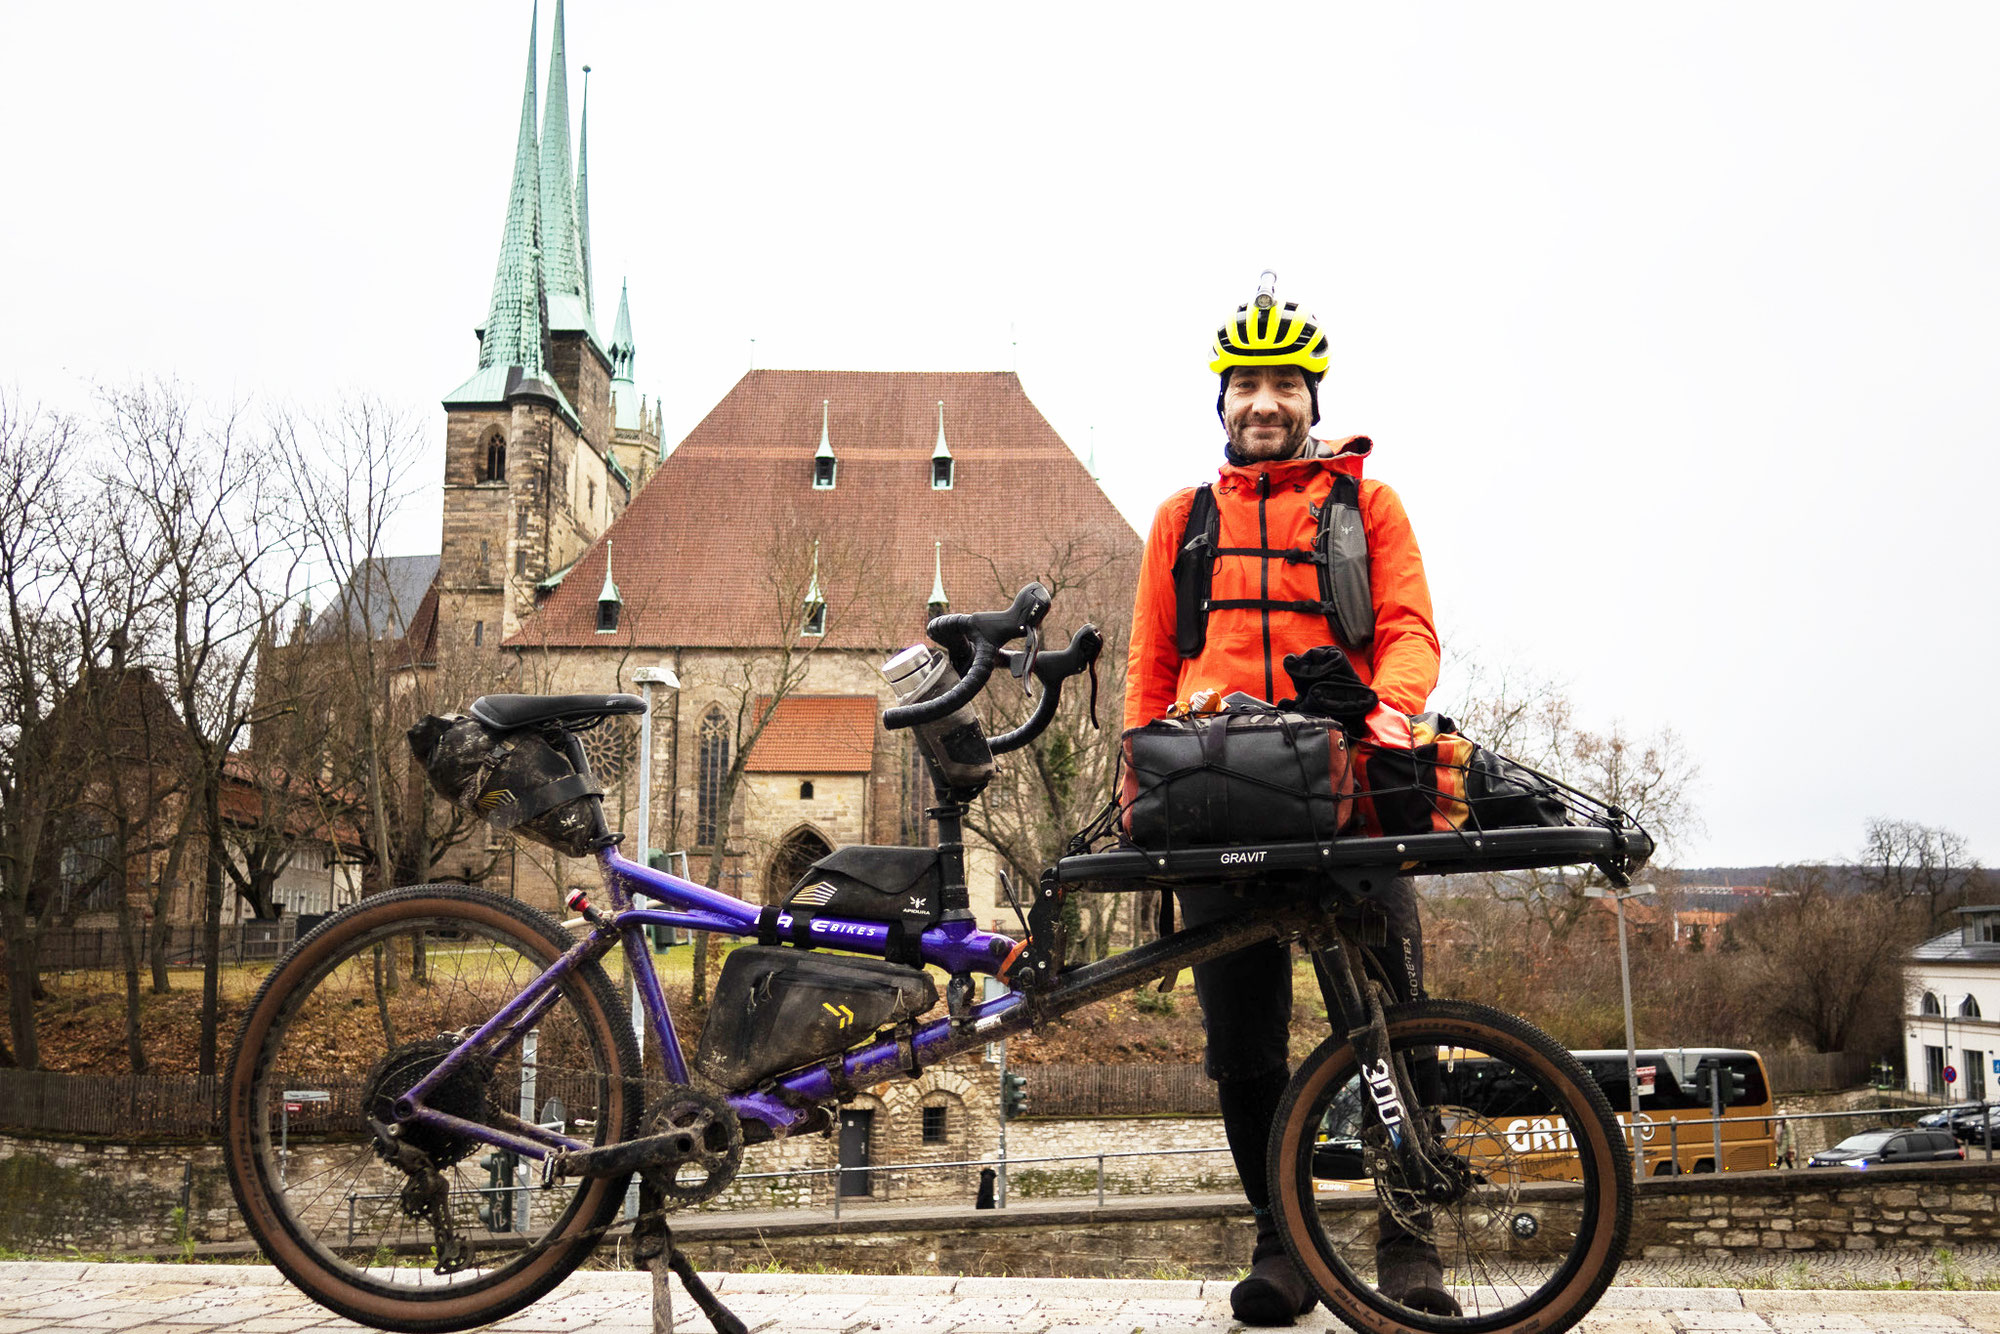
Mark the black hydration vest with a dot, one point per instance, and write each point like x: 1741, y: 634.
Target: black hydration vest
x: 1339, y: 550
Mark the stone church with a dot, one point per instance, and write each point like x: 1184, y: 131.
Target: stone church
x: 798, y: 536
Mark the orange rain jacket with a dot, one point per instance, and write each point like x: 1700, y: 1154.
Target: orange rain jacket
x: 1246, y: 647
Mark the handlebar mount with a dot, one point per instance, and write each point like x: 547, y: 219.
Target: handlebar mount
x: 976, y: 643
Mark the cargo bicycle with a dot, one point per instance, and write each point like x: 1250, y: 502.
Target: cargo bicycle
x: 436, y: 1101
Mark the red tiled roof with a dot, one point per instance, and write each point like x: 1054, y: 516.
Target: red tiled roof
x: 717, y: 546
x: 816, y: 734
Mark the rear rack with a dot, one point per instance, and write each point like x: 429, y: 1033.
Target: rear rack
x: 1618, y: 852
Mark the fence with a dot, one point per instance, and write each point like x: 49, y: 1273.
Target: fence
x: 72, y: 949
x: 126, y: 1106
x: 1118, y: 1090
x: 1815, y: 1071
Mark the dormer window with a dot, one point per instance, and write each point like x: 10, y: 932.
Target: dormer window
x: 941, y: 457
x: 815, y: 622
x: 609, y: 603
x: 824, y: 463
x: 607, y: 618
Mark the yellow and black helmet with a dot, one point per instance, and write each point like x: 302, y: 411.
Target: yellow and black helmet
x: 1267, y: 332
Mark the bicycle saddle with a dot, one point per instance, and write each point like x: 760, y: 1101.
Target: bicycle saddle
x: 507, y: 713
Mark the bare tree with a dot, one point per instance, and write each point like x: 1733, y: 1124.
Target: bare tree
x: 1930, y: 869
x: 41, y: 773
x: 829, y: 582
x: 222, y: 575
x: 1047, y: 791
x: 1825, y: 966
x: 1651, y: 778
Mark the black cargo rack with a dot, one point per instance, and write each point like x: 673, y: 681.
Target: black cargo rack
x: 1617, y: 851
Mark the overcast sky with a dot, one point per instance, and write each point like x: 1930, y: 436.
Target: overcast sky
x: 1675, y: 326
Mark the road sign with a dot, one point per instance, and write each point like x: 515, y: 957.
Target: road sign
x: 1951, y: 1074
x: 307, y: 1095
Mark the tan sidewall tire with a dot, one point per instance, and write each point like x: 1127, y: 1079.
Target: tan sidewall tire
x: 470, y: 1305
x: 1478, y: 1027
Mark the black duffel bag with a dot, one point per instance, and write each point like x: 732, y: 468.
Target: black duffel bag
x: 1252, y: 774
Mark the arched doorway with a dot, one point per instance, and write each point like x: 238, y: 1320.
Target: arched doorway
x: 796, y: 851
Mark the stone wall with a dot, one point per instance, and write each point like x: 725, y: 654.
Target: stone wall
x: 1137, y: 1159
x: 1825, y: 1209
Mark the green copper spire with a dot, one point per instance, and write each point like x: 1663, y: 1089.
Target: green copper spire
x: 622, y: 350
x: 561, y: 267
x: 583, y: 194
x: 514, y: 319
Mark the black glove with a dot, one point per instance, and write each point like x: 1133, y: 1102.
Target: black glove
x: 1328, y: 687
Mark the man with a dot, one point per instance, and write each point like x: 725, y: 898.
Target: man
x: 1266, y: 598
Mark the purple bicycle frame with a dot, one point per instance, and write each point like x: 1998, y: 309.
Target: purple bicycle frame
x: 956, y: 947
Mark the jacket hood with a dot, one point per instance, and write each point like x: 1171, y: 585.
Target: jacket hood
x: 1340, y: 455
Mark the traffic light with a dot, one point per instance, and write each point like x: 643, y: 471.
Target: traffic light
x: 1013, y: 1096
x: 498, y: 1211
x: 1734, y: 1085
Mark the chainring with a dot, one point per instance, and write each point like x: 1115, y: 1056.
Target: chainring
x: 461, y: 1094
x: 708, y: 1151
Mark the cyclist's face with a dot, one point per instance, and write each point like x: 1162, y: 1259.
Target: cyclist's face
x: 1267, y: 411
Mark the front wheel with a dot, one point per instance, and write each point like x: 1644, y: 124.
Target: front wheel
x: 358, y: 1012
x: 1532, y: 1226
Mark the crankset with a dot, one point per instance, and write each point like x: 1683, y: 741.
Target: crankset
x: 689, y: 1152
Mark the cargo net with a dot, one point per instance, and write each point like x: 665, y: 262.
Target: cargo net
x: 1441, y: 783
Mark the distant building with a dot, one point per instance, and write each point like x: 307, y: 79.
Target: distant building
x: 1952, y: 1020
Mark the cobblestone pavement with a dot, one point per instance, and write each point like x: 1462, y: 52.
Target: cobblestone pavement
x: 254, y: 1299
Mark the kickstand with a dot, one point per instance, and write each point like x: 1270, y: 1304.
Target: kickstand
x: 653, y: 1249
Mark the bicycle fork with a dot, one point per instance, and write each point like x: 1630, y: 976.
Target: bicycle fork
x: 1421, y: 1172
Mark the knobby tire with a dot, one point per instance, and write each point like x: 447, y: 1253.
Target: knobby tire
x: 1579, y: 1211
x: 327, y: 1004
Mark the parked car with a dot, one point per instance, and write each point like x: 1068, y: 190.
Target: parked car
x: 1942, y: 1118
x: 1969, y: 1123
x: 1880, y: 1147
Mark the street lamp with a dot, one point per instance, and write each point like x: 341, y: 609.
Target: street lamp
x: 1631, y: 1049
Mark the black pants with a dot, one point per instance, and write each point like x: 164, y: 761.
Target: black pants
x: 1246, y: 997
x: 1246, y: 1016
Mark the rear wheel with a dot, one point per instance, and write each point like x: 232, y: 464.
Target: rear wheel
x: 358, y: 1012
x: 1536, y: 1218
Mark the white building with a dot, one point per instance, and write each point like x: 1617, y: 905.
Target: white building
x: 1951, y: 1028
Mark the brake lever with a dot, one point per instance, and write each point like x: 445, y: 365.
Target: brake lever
x: 1022, y: 664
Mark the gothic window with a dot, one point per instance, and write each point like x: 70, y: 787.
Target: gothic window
x: 806, y: 790
x: 940, y: 474
x: 714, y: 763
x: 494, y: 468
x: 1969, y: 1010
x: 823, y: 469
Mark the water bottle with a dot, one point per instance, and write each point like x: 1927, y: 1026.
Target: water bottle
x: 955, y: 745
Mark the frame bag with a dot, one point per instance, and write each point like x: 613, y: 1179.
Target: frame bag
x: 1246, y: 775
x: 776, y: 1009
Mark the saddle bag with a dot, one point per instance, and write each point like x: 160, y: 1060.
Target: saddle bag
x: 1247, y: 775
x: 777, y: 1008
x: 515, y: 781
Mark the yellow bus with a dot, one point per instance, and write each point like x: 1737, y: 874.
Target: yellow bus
x: 1501, y: 1122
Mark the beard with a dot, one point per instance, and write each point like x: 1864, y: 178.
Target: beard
x: 1297, y: 431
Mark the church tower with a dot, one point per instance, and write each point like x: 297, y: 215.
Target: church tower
x: 531, y: 478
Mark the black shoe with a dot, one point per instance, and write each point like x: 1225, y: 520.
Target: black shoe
x: 1409, y: 1272
x: 1274, y: 1292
